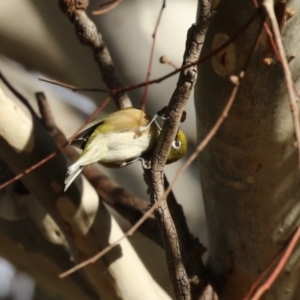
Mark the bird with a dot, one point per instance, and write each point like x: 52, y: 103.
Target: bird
x: 119, y: 139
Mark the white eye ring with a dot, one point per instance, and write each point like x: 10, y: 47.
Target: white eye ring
x: 176, y: 144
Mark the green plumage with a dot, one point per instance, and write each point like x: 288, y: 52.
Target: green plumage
x: 119, y: 139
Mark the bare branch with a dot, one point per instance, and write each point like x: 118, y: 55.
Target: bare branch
x: 187, y: 79
x: 88, y: 34
x: 149, y: 71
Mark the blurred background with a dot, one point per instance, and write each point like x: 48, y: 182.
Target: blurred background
x: 36, y: 39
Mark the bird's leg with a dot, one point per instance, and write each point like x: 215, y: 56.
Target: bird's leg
x: 141, y: 159
x: 160, y: 114
x: 142, y: 129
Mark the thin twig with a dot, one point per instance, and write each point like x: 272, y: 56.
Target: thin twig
x: 279, y: 267
x: 197, y: 62
x: 269, y: 33
x: 268, y: 4
x: 149, y: 71
x: 93, y: 259
x: 73, y: 87
x: 164, y: 60
x: 236, y: 81
x: 262, y: 276
x: 114, y: 3
x: 106, y: 3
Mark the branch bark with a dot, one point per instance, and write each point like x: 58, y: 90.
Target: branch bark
x: 88, y: 34
x: 187, y: 79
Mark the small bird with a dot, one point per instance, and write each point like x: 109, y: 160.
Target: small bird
x: 119, y: 139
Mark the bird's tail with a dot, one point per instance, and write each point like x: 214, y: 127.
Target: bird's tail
x: 73, y: 172
x: 87, y: 157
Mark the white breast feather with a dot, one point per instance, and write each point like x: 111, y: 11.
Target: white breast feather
x: 119, y: 147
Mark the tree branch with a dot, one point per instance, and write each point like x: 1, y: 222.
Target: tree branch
x: 187, y: 79
x: 88, y: 34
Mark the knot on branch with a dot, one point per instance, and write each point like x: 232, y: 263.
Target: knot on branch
x: 69, y: 7
x: 190, y: 75
x: 86, y: 30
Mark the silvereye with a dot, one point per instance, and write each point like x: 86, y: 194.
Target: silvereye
x: 119, y: 139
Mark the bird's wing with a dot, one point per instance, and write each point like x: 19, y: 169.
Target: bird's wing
x: 81, y: 138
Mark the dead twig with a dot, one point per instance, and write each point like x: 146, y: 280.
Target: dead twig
x: 149, y: 71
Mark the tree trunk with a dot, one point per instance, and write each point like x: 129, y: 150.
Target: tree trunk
x: 250, y: 170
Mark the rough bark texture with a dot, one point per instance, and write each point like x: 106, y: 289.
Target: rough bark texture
x: 249, y: 171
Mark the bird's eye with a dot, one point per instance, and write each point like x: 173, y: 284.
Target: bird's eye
x: 176, y: 144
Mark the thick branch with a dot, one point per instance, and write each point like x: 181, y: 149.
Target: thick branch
x: 187, y: 79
